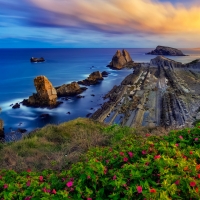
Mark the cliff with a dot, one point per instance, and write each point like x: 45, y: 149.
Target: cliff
x: 167, y: 51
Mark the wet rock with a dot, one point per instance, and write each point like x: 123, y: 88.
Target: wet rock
x: 94, y: 78
x: 11, y: 104
x: 92, y: 95
x: 46, y: 95
x: 120, y: 59
x: 88, y: 115
x: 68, y: 113
x: 21, y: 130
x: 37, y: 59
x: 168, y: 51
x: 17, y: 105
x: 71, y: 89
x: 80, y: 96
x: 105, y: 74
x: 44, y: 116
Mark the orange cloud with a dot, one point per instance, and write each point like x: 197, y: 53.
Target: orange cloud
x: 129, y: 16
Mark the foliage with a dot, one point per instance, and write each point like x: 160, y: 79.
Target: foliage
x: 133, y: 167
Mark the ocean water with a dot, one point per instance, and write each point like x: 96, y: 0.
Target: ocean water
x: 61, y: 66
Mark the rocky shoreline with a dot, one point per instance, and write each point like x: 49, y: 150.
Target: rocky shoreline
x: 157, y: 94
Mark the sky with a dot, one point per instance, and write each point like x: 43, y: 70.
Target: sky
x: 99, y: 23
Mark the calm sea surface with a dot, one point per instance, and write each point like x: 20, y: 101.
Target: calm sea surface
x: 61, y: 66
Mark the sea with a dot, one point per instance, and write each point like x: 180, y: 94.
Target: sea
x: 61, y: 66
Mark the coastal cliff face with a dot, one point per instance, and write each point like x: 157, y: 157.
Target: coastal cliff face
x: 1, y: 129
x: 46, y: 95
x: 195, y: 64
x: 120, y: 59
x: 162, y: 61
x: 93, y: 79
x: 69, y: 89
x: 168, y: 51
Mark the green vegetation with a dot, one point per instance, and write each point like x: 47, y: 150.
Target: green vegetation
x: 114, y: 163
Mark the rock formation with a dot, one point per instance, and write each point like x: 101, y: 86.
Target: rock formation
x: 93, y: 79
x: 168, y: 51
x: 37, y: 59
x: 17, y: 105
x: 161, y: 61
x: 1, y: 129
x: 71, y: 89
x: 194, y: 64
x: 119, y: 60
x: 46, y: 95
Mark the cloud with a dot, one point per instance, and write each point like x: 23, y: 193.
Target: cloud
x: 119, y: 16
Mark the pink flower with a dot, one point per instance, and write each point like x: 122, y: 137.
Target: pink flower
x: 130, y: 154
x: 28, y: 170
x: 5, y: 186
x: 196, y: 139
x: 53, y: 191
x: 144, y: 152
x: 147, y: 135
x: 181, y: 137
x: 89, y: 198
x: 41, y: 178
x: 157, y: 157
x: 191, y: 152
x: 28, y: 198
x: 177, y: 182
x: 177, y: 145
x: 28, y: 183
x: 44, y: 190
x: 114, y: 177
x: 107, y: 161
x: 88, y: 177
x: 69, y: 184
x: 121, y: 153
x: 125, y: 159
x: 139, y: 189
x: 146, y: 163
x: 192, y: 184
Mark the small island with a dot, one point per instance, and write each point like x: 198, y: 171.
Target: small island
x: 35, y: 60
x: 166, y: 51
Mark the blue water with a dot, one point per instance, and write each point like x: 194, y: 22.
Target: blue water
x: 61, y: 66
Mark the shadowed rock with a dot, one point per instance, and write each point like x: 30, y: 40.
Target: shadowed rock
x: 71, y: 89
x: 1, y: 129
x: 93, y: 79
x: 167, y: 51
x: 37, y: 59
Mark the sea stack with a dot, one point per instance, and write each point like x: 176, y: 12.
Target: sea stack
x: 1, y: 129
x: 166, y: 51
x: 46, y: 95
x: 120, y: 59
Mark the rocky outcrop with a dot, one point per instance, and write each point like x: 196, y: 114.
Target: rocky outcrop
x: 105, y: 74
x: 46, y: 95
x: 93, y: 79
x: 120, y: 59
x: 1, y: 129
x: 17, y: 105
x: 71, y: 89
x: 195, y: 64
x: 37, y: 59
x: 167, y: 51
x: 162, y: 61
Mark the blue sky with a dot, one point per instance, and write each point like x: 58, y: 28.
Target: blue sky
x: 99, y: 23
